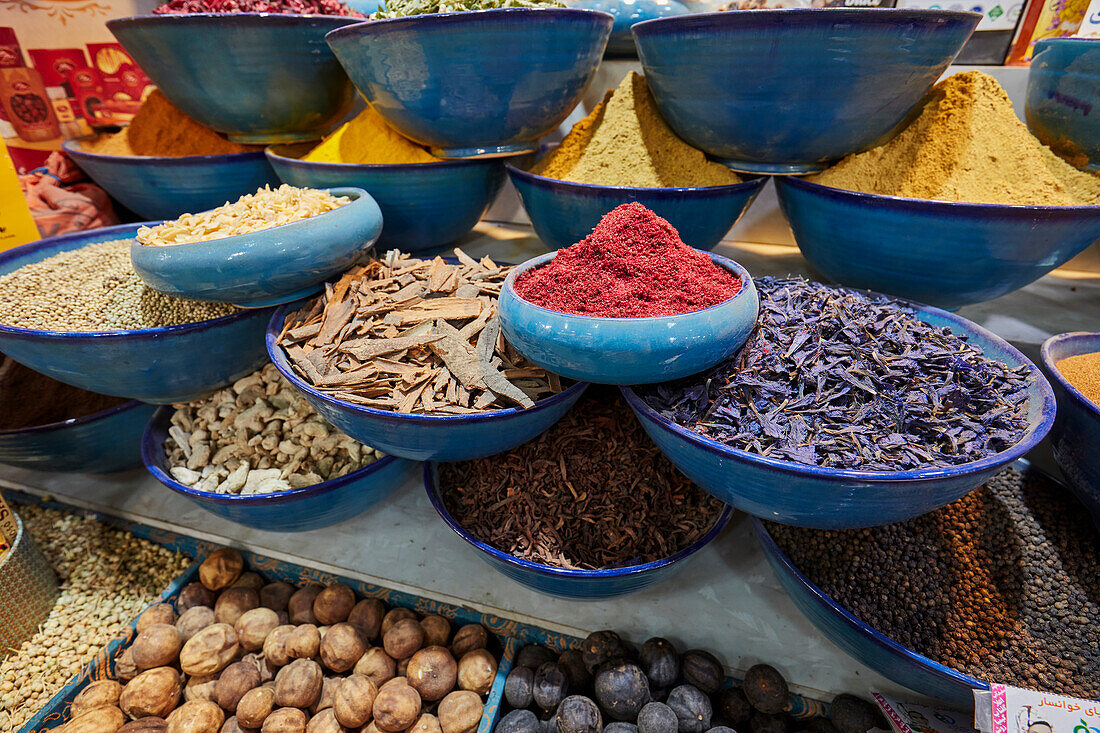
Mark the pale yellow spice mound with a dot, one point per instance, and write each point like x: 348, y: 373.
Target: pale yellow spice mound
x: 368, y: 140
x: 966, y: 144
x: 626, y: 142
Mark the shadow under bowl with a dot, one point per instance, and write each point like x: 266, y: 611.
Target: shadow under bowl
x: 1063, y: 86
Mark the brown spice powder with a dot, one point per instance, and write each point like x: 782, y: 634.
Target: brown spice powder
x: 29, y: 399
x: 1083, y: 372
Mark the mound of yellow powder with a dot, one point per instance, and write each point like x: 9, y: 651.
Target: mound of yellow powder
x: 368, y: 140
x: 966, y: 144
x: 626, y: 142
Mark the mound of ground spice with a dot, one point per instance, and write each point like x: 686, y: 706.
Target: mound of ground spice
x: 285, y: 7
x: 632, y: 265
x: 1083, y: 372
x: 28, y: 399
x: 368, y: 140
x: 966, y: 144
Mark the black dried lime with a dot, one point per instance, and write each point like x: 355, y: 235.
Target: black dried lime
x: 660, y: 662
x: 851, y: 714
x: 818, y: 725
x: 578, y: 675
x: 620, y: 727
x: 766, y: 723
x: 519, y: 721
x: 519, y: 687
x: 621, y: 690
x: 766, y: 689
x: 550, y: 686
x: 656, y: 717
x: 721, y: 729
x: 534, y: 656
x: 702, y: 669
x: 599, y: 647
x: 578, y: 714
x: 731, y: 707
x: 692, y: 708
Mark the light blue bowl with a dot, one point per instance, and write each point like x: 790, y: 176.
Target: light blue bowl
x: 424, y: 205
x: 258, y: 77
x: 298, y: 510
x: 158, y: 365
x: 426, y: 437
x: 269, y: 267
x: 626, y: 14
x: 944, y: 253
x: 628, y: 350
x: 164, y: 188
x: 820, y: 82
x: 103, y: 442
x: 577, y: 585
x: 475, y: 83
x: 1076, y: 432
x: 1063, y: 98
x: 831, y: 498
x: 868, y: 646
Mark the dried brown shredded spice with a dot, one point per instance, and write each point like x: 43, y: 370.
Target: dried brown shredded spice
x: 592, y: 492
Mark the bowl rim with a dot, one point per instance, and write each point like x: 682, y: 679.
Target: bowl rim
x: 69, y: 146
x: 1048, y: 360
x: 1032, y: 436
x: 150, y: 449
x: 389, y: 24
x: 747, y: 286
x: 129, y: 20
x: 1066, y: 41
x: 274, y: 156
x: 73, y: 422
x: 125, y: 231
x: 436, y: 499
x: 772, y: 550
x: 787, y: 14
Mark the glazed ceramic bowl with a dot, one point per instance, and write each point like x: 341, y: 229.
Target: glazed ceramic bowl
x: 424, y: 206
x: 257, y: 77
x: 164, y: 188
x: 830, y: 498
x: 267, y: 267
x: 943, y: 253
x: 564, y: 213
x: 298, y: 510
x: 819, y: 83
x: 626, y: 14
x: 1075, y: 436
x: 628, y: 350
x: 1063, y: 86
x: 158, y: 365
x: 103, y: 442
x: 578, y: 585
x: 476, y: 83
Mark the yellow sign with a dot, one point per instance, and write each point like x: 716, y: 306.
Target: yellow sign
x: 16, y: 224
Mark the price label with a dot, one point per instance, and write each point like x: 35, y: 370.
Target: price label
x: 8, y: 526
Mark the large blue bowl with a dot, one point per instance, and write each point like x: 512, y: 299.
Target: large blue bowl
x: 158, y: 365
x: 628, y: 350
x: 819, y: 83
x: 426, y: 437
x: 578, y: 585
x: 424, y: 205
x: 1063, y: 98
x: 831, y: 498
x: 626, y: 14
x: 164, y: 188
x: 875, y: 650
x: 268, y: 267
x: 475, y: 83
x: 298, y: 510
x: 944, y: 253
x: 258, y: 77
x: 103, y: 442
x: 1076, y: 432
x: 564, y: 213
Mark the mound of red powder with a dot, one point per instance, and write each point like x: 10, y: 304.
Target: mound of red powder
x: 632, y: 265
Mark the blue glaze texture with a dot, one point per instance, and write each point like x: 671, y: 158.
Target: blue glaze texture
x: 628, y: 350
x: 258, y: 77
x: 424, y: 206
x: 475, y: 83
x: 158, y: 365
x: 818, y: 83
x: 1076, y: 433
x: 626, y: 14
x: 830, y: 498
x: 1063, y: 98
x: 944, y: 253
x: 578, y: 585
x: 267, y: 267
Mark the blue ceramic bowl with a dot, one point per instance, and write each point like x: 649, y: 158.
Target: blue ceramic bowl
x: 424, y: 205
x: 879, y: 652
x: 164, y: 188
x: 564, y: 213
x: 628, y: 350
x: 822, y: 82
x: 158, y: 365
x: 298, y: 510
x: 1076, y: 432
x: 258, y: 77
x: 1063, y: 89
x: 831, y: 498
x: 626, y: 14
x: 475, y: 83
x: 944, y: 253
x: 577, y: 585
x: 103, y: 442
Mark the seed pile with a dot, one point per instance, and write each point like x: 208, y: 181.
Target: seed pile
x: 28, y: 398
x: 591, y: 492
x: 1004, y: 584
x: 1083, y: 372
x: 267, y: 208
x: 107, y: 577
x: 93, y: 288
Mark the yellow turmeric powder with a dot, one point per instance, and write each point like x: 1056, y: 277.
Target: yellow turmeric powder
x: 368, y: 140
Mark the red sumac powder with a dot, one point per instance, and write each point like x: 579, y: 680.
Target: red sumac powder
x: 632, y: 265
